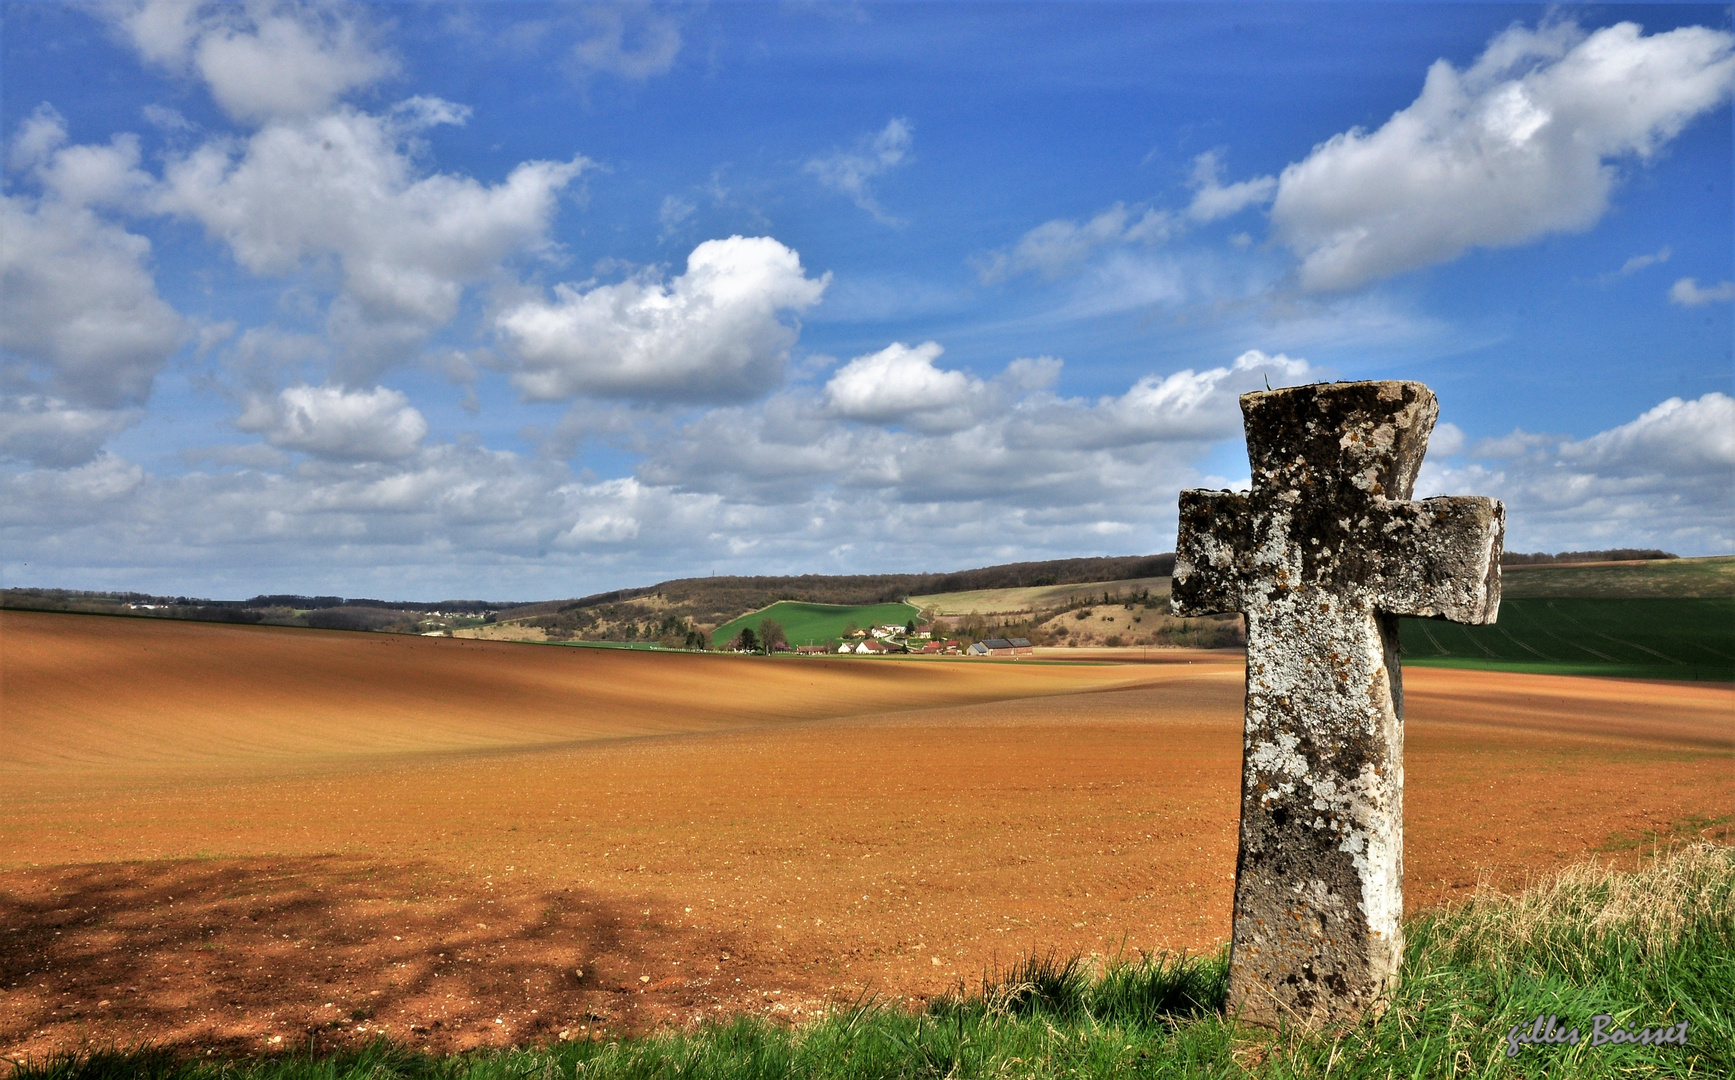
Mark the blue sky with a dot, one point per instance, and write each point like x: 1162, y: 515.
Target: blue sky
x: 523, y: 300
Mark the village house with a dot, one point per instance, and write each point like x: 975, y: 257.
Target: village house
x: 1003, y: 647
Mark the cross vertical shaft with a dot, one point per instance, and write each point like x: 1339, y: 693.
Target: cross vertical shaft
x: 1322, y: 556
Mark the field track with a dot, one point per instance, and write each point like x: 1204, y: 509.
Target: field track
x: 224, y: 836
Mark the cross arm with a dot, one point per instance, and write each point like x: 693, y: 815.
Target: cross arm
x: 1212, y: 550
x: 1440, y: 558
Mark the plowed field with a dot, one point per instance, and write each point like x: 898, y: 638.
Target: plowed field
x: 252, y: 837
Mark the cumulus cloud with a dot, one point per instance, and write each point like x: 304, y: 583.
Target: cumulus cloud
x: 86, y: 175
x: 721, y: 331
x: 1665, y: 479
x: 1678, y: 438
x: 1687, y: 293
x: 261, y: 60
x: 850, y: 172
x: 83, y: 332
x: 1058, y: 246
x: 632, y: 41
x: 450, y: 518
x: 338, y: 425
x: 791, y: 484
x: 1019, y: 449
x: 1212, y: 199
x: 898, y: 384
x: 49, y: 432
x: 343, y: 189
x: 79, y: 308
x: 1521, y: 144
x: 781, y: 484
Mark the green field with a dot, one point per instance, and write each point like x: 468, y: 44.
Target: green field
x: 815, y: 624
x: 1656, y: 638
x: 1702, y: 578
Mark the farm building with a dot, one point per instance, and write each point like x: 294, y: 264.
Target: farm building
x: 812, y: 650
x: 1002, y: 647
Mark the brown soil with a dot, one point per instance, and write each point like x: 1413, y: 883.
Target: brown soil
x: 248, y: 839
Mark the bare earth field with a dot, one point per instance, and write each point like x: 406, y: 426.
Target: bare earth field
x: 249, y: 838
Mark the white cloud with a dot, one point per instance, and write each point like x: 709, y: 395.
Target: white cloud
x: 79, y: 305
x: 50, y: 432
x: 673, y: 212
x: 1635, y: 264
x: 899, y: 384
x: 1022, y: 453
x: 80, y: 175
x: 1058, y: 246
x: 1687, y: 293
x: 1677, y: 438
x: 849, y: 171
x: 715, y: 333
x: 1212, y: 199
x: 632, y: 41
x: 343, y: 189
x: 1665, y: 479
x: 167, y: 119
x: 1447, y: 439
x: 1639, y: 262
x: 785, y: 485
x: 1520, y: 145
x: 336, y: 424
x: 1200, y: 405
x: 450, y: 519
x: 261, y: 60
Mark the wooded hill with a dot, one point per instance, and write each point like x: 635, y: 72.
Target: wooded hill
x: 711, y: 601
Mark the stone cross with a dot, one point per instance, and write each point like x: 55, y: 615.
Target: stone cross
x: 1322, y: 556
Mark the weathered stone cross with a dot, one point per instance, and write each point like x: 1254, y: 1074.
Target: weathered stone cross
x: 1322, y: 556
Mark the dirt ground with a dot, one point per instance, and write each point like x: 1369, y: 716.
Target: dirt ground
x: 248, y: 839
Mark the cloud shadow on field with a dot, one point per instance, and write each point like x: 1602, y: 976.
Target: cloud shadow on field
x: 259, y: 954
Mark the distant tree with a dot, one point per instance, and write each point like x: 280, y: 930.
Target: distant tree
x: 745, y: 641
x: 697, y: 640
x: 771, y: 636
x: 849, y: 629
x: 910, y: 627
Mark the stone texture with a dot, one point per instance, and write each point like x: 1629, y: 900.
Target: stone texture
x: 1322, y: 556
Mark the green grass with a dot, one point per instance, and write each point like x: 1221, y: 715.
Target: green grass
x: 816, y: 624
x: 1651, y: 947
x: 1669, y: 638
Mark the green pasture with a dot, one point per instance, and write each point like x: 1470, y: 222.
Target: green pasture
x: 1659, y: 638
x: 815, y: 624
